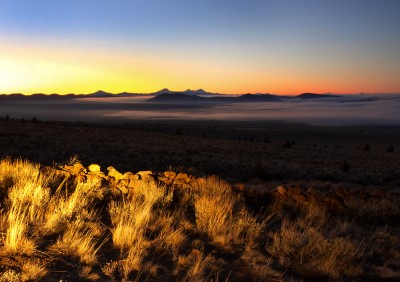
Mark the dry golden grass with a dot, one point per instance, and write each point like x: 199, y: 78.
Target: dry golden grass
x: 78, y: 240
x: 196, y: 266
x: 26, y: 202
x: 17, y: 238
x: 199, y: 233
x: 313, y: 250
x: 221, y: 214
x: 33, y: 271
x: 10, y: 276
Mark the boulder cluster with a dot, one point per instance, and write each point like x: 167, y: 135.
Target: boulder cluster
x: 124, y: 183
x: 119, y: 184
x: 335, y: 198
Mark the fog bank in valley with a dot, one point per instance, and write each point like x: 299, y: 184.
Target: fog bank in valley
x: 360, y: 109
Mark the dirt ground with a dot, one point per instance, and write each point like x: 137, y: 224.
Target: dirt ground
x: 268, y: 152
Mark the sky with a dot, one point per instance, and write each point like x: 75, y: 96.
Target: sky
x: 224, y: 46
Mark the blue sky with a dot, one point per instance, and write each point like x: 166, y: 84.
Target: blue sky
x: 281, y: 46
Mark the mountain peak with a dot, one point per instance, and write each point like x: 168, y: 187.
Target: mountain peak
x: 164, y: 90
x: 195, y: 92
x: 100, y: 93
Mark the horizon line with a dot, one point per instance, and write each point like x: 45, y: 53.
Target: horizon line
x: 198, y: 90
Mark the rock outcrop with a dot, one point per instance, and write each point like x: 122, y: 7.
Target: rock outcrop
x: 125, y: 182
x: 118, y: 184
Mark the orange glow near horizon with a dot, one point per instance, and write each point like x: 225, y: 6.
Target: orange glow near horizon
x: 37, y: 69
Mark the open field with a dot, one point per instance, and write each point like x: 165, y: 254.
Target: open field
x: 239, y: 151
x: 289, y: 201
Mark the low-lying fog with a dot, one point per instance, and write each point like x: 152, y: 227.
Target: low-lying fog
x: 359, y: 109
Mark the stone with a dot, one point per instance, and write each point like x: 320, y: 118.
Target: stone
x: 124, y: 182
x: 240, y: 186
x: 170, y: 174
x: 299, y: 198
x: 179, y: 181
x: 74, y: 169
x: 377, y: 193
x: 80, y: 178
x: 62, y: 173
x: 333, y: 201
x: 115, y: 193
x: 165, y: 180
x: 114, y: 173
x: 181, y: 175
x: 294, y: 191
x: 94, y: 178
x: 340, y: 194
x: 122, y: 186
x: 188, y: 179
x: 281, y: 190
x: 130, y: 175
x: 134, y: 183
x: 112, y: 181
x: 98, y: 174
x: 94, y: 168
x: 147, y: 178
x: 145, y: 172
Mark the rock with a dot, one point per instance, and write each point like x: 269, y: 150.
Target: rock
x: 145, y: 172
x: 115, y: 193
x: 179, y: 181
x: 187, y: 179
x: 93, y: 178
x: 114, y: 173
x: 294, y: 191
x: 47, y: 170
x: 98, y: 174
x: 377, y: 193
x: 124, y: 182
x: 62, y: 173
x: 134, y: 183
x: 182, y: 175
x: 299, y: 198
x: 94, y: 168
x: 123, y: 186
x: 112, y: 181
x: 281, y: 190
x: 74, y: 169
x: 130, y: 176
x: 340, y: 193
x: 165, y: 180
x: 170, y: 174
x: 240, y: 187
x: 148, y: 178
x: 80, y: 178
x: 333, y: 201
x: 283, y: 197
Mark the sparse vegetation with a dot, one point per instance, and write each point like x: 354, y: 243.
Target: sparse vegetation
x: 72, y: 223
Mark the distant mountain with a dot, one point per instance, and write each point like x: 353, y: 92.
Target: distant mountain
x: 176, y: 98
x: 314, y: 95
x: 184, y: 97
x: 199, y: 92
x: 259, y: 98
x: 100, y: 93
x: 163, y: 91
x: 36, y: 97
